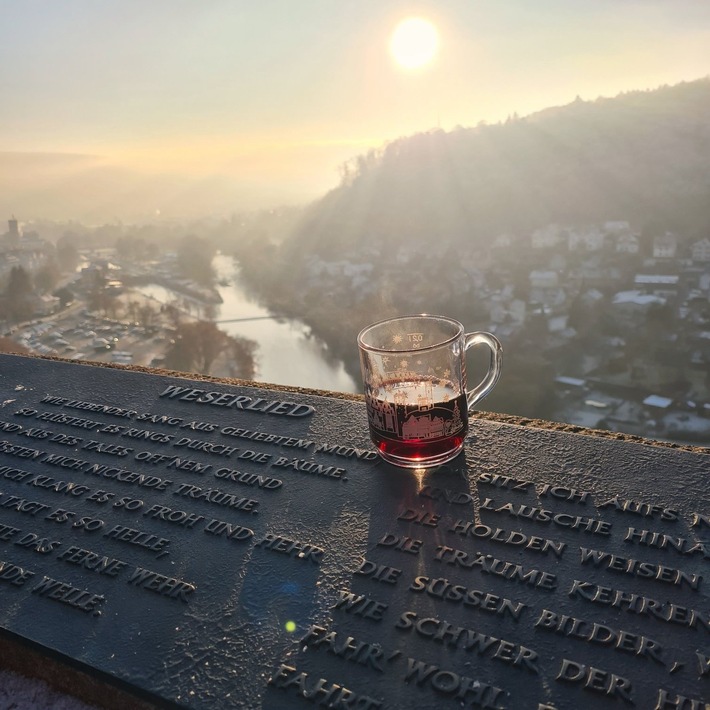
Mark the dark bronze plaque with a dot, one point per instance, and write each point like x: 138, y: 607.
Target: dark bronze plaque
x: 216, y: 547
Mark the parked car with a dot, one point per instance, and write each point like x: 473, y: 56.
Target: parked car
x: 100, y: 344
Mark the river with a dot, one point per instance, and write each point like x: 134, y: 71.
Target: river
x: 287, y: 354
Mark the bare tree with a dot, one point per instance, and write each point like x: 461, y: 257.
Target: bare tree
x: 146, y: 314
x: 173, y: 312
x: 197, y: 346
x: 18, y: 301
x: 242, y: 360
x: 132, y: 311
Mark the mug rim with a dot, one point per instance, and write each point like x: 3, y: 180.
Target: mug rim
x: 423, y: 316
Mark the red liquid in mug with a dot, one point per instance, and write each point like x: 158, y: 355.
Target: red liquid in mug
x: 416, y: 449
x: 412, y: 426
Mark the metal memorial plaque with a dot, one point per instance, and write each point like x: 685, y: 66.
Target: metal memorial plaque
x: 212, y: 546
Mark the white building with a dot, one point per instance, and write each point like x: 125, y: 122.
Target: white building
x: 701, y: 250
x: 549, y: 236
x: 585, y: 239
x: 637, y: 298
x: 627, y: 244
x: 503, y: 241
x: 665, y: 246
x: 557, y: 323
x: 664, y: 285
x: 617, y: 227
x: 544, y: 279
x: 510, y: 311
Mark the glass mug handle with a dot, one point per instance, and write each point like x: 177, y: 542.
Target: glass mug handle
x: 494, y: 365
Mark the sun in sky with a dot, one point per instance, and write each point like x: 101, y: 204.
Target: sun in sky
x: 414, y: 43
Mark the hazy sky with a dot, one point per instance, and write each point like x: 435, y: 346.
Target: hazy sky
x: 188, y: 106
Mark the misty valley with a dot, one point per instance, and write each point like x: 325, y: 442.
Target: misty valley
x: 580, y: 236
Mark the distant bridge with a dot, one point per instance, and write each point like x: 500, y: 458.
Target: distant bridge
x: 244, y: 320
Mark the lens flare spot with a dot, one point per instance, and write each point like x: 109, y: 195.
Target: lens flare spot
x: 290, y: 626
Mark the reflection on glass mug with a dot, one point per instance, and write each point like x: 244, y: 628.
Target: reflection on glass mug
x: 414, y: 370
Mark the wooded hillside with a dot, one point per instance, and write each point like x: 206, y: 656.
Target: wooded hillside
x: 641, y: 156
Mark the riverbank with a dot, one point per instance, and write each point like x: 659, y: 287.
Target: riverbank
x: 143, y: 318
x: 140, y: 334
x: 290, y: 350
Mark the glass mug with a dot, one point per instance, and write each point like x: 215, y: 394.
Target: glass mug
x: 414, y: 371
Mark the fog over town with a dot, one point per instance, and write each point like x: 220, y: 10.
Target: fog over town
x: 243, y: 210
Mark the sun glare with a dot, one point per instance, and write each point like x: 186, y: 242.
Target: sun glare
x: 414, y: 42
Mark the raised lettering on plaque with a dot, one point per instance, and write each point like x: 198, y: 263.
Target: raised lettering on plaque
x: 213, y: 546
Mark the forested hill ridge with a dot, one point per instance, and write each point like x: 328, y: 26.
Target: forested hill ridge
x: 443, y: 222
x: 642, y: 156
